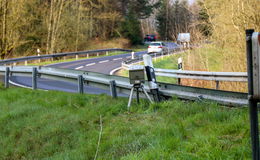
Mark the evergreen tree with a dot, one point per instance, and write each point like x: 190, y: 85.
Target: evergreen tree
x: 131, y: 28
x: 204, y: 25
x: 173, y: 19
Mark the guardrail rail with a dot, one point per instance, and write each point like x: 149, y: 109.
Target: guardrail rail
x: 56, y: 55
x: 117, y: 84
x: 122, y: 84
x: 199, y: 75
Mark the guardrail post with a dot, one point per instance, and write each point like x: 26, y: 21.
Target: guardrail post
x: 34, y: 78
x: 80, y: 84
x: 217, y: 85
x: 7, y: 74
x: 26, y: 63
x: 253, y: 111
x: 107, y: 53
x: 77, y: 56
x: 87, y: 55
x: 113, y: 91
x: 97, y: 54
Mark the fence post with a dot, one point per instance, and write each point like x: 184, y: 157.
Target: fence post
x: 113, y: 89
x: 77, y: 56
x: 80, y: 84
x: 34, y: 78
x: 107, y: 53
x: 87, y: 55
x: 7, y: 74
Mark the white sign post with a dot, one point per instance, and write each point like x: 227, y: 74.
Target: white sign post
x: 38, y: 54
x: 133, y: 55
x: 256, y: 64
x: 151, y: 77
x: 180, y: 63
x: 253, y: 69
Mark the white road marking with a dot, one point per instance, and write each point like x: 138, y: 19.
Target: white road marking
x: 79, y: 67
x: 23, y: 86
x: 117, y: 59
x: 90, y: 64
x: 104, y: 61
x: 115, y: 70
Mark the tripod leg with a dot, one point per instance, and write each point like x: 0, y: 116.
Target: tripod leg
x: 130, y: 98
x: 147, y: 95
x: 137, y: 95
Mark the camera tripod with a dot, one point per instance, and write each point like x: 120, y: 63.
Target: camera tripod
x: 137, y: 87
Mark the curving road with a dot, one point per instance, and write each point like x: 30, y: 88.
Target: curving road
x: 102, y: 65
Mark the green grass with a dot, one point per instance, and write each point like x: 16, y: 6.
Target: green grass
x: 57, y: 125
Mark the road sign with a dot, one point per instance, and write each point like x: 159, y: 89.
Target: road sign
x: 256, y: 64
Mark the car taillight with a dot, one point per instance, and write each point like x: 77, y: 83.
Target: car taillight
x: 149, y: 46
x: 160, y: 47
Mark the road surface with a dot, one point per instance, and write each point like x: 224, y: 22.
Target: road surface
x: 101, y: 65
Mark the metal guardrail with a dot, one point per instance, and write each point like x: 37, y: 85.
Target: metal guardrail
x: 115, y: 84
x: 14, y: 60
x: 200, y: 75
x: 122, y: 84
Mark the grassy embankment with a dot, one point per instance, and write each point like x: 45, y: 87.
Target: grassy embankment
x: 208, y: 58
x: 56, y: 125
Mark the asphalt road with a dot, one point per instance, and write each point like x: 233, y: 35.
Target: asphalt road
x: 101, y: 64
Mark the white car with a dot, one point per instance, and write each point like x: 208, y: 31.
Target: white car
x: 157, y: 47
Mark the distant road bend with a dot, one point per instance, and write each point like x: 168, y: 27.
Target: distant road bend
x: 101, y: 65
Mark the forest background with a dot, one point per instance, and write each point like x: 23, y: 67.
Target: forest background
x: 72, y: 25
